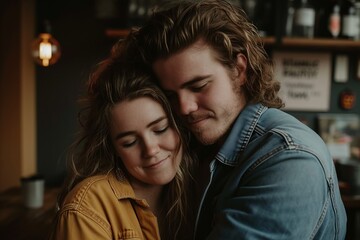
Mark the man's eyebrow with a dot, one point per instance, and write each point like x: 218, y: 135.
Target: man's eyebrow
x: 187, y: 84
x: 124, y: 134
x: 194, y: 80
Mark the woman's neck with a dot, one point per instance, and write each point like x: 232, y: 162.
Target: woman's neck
x: 151, y: 193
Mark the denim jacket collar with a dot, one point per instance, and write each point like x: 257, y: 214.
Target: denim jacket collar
x: 240, y: 134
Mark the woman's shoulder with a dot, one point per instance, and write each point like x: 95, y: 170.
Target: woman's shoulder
x: 86, y: 187
x: 97, y: 188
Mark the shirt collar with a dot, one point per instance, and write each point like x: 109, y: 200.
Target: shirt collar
x: 240, y: 134
x: 122, y: 188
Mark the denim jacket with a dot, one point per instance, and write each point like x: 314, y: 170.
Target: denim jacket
x: 273, y: 178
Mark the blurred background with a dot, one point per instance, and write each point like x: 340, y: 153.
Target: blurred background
x: 38, y: 104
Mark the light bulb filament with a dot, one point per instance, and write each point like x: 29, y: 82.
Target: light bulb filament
x: 45, y: 50
x: 45, y: 53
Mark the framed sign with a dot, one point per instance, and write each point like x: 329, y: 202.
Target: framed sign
x: 305, y: 80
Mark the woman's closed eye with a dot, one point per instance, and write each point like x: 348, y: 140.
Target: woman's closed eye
x: 128, y: 143
x: 161, y: 130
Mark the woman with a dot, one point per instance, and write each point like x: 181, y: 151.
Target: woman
x: 130, y: 170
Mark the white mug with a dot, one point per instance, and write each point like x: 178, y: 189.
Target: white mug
x: 33, y: 191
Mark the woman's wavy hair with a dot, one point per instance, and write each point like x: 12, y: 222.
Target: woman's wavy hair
x: 114, y: 80
x: 225, y: 28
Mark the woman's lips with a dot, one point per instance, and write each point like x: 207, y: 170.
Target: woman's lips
x: 157, y: 164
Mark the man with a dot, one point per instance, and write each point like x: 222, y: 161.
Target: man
x: 264, y: 175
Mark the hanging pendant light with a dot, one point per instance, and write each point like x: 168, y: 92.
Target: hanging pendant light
x: 45, y: 48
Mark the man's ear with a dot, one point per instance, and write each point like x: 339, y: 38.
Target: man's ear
x: 241, y: 67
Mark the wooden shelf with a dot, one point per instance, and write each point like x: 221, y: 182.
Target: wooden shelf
x: 269, y: 41
x: 121, y: 33
x: 286, y: 42
x: 117, y: 33
x: 322, y: 43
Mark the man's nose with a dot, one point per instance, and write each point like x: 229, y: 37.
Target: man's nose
x: 187, y: 104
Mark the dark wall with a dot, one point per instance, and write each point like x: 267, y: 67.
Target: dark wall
x: 83, y: 43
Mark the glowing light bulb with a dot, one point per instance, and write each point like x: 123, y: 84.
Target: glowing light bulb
x: 46, y: 50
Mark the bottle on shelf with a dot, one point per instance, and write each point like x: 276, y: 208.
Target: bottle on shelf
x: 290, y: 18
x: 304, y: 20
x: 260, y: 13
x: 357, y: 9
x: 350, y: 20
x: 334, y: 21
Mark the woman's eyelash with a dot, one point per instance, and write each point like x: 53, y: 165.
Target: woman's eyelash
x: 162, y: 129
x: 126, y: 145
x: 158, y: 131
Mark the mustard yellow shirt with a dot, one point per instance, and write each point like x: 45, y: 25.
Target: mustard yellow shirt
x: 105, y: 207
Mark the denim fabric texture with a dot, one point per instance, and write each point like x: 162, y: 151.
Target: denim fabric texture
x: 273, y: 178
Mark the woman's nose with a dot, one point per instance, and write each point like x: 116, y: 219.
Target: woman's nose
x: 150, y: 147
